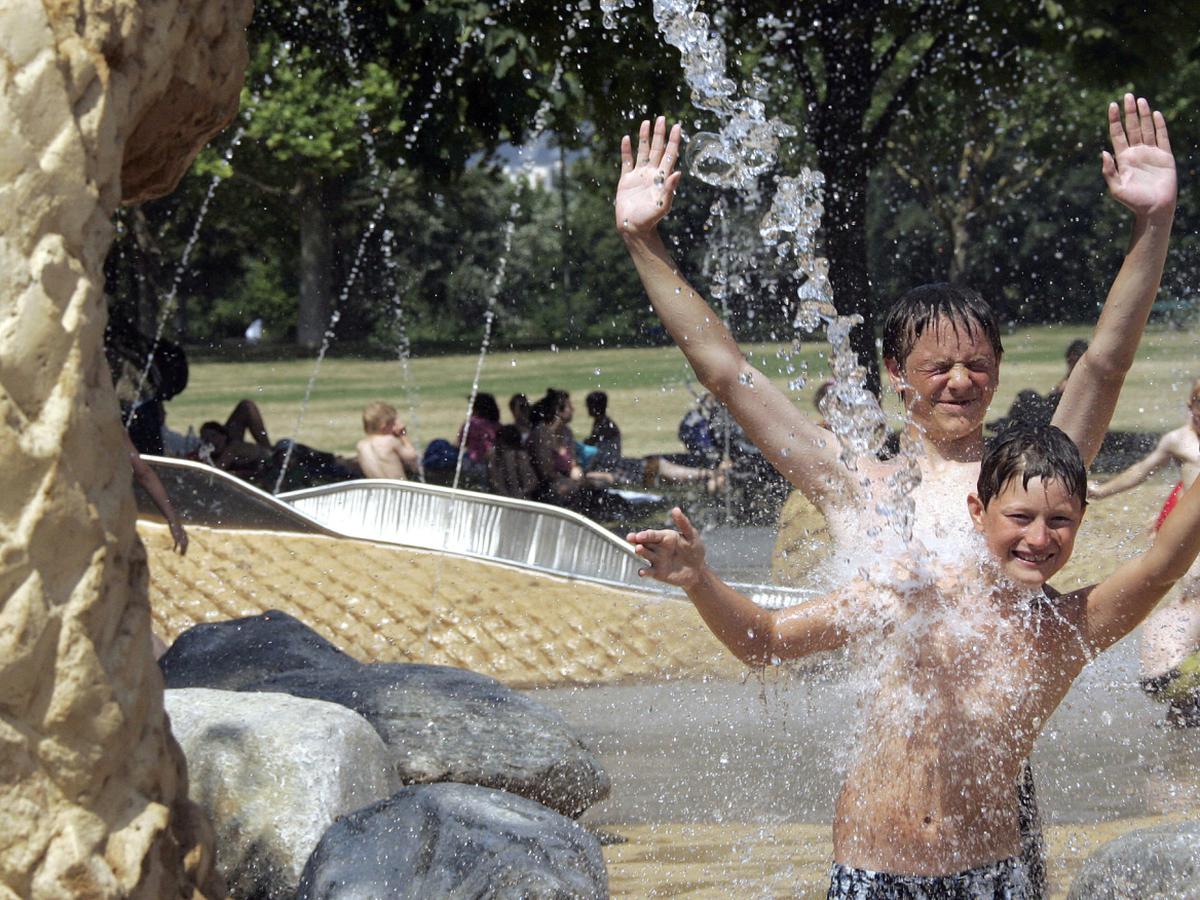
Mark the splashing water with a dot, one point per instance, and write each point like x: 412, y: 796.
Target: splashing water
x: 376, y: 215
x: 489, y: 317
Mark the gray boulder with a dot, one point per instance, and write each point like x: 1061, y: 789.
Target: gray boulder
x: 445, y: 724
x: 455, y: 840
x: 439, y: 723
x: 235, y: 653
x: 1158, y: 863
x: 273, y: 772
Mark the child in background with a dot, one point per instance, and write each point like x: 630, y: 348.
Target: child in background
x: 386, y: 451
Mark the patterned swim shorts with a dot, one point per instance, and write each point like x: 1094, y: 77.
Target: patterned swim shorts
x: 1003, y: 880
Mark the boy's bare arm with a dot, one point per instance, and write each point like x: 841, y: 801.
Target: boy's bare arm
x: 754, y: 635
x: 153, y: 486
x: 802, y: 451
x: 1135, y: 474
x: 1117, y: 604
x: 1140, y: 173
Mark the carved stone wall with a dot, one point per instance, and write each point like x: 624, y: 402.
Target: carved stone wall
x: 99, y: 100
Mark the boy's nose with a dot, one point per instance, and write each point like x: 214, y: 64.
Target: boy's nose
x: 1037, y: 534
x: 959, y: 378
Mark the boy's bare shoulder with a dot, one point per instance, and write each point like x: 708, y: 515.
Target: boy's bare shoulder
x: 1182, y: 443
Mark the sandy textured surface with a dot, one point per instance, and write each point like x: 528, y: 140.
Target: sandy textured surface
x: 387, y: 604
x: 716, y: 862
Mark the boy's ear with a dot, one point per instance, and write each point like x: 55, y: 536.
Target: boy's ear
x: 976, y: 508
x: 895, y: 375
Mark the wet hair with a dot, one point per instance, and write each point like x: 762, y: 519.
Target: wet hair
x: 518, y: 400
x: 378, y: 417
x: 1032, y: 451
x: 924, y: 306
x: 485, y: 407
x: 597, y: 403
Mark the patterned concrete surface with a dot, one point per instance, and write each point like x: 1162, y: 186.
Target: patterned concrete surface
x: 716, y: 862
x: 383, y: 603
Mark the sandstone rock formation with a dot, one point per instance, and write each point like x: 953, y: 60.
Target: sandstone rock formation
x: 92, y: 786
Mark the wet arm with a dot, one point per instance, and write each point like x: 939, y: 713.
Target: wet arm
x: 1140, y: 175
x: 798, y: 448
x: 1121, y: 601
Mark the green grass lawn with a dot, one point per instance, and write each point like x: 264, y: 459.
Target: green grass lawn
x: 648, y: 387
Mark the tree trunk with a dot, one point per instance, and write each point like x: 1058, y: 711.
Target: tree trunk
x: 316, y: 264
x: 844, y: 158
x: 845, y: 224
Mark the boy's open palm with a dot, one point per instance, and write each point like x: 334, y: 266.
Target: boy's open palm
x: 647, y: 184
x: 675, y: 557
x: 1140, y: 171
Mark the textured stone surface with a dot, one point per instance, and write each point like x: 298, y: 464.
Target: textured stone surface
x: 273, y: 772
x: 239, y: 653
x: 387, y: 604
x: 453, y: 840
x: 439, y: 723
x: 445, y: 724
x: 1158, y: 863
x: 92, y: 792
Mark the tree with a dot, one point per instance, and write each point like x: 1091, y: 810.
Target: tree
x: 862, y: 64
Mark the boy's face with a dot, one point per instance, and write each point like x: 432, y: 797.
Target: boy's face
x: 1030, y: 530
x: 948, y: 380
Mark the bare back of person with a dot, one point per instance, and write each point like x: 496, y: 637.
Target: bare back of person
x: 1183, y: 444
x: 380, y: 456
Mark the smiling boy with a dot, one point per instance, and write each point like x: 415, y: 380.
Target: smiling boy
x: 965, y: 666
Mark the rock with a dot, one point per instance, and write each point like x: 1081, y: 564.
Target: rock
x: 94, y: 793
x: 446, y: 724
x: 439, y: 723
x: 455, y: 840
x: 273, y: 772
x: 233, y: 654
x: 1158, y: 863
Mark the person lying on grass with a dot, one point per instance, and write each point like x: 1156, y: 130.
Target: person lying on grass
x: 963, y: 666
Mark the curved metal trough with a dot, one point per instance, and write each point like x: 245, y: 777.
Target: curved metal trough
x: 422, y: 516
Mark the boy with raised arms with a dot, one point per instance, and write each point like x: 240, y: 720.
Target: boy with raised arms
x: 941, y: 343
x: 966, y: 664
x: 941, y: 348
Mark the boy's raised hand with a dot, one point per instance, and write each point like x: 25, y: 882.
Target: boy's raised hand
x: 1140, y: 171
x: 647, y: 184
x: 675, y: 557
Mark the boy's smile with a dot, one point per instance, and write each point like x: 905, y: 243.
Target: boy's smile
x: 1030, y: 530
